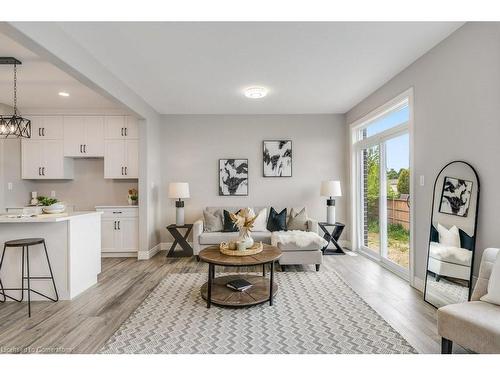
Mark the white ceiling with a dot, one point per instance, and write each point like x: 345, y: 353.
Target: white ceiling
x: 39, y: 82
x: 201, y: 68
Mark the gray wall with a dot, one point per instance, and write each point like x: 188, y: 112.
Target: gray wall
x: 457, y: 112
x: 85, y: 191
x: 192, y: 145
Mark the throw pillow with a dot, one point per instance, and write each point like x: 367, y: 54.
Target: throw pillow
x: 297, y: 220
x: 276, y: 221
x: 212, y: 221
x: 228, y: 223
x: 493, y: 295
x: 466, y: 241
x: 434, y: 234
x: 260, y: 223
x: 449, y: 237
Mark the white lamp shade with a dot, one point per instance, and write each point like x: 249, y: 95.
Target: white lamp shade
x: 178, y: 190
x: 331, y: 189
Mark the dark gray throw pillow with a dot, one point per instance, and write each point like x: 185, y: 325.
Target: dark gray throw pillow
x: 228, y: 223
x: 276, y: 221
x: 297, y: 220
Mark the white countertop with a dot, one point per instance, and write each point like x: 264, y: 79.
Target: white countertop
x: 45, y: 218
x: 124, y: 206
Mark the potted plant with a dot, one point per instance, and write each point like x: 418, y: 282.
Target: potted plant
x: 51, y: 205
x: 133, y: 197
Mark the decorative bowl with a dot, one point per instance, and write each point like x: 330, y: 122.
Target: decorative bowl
x: 56, y: 208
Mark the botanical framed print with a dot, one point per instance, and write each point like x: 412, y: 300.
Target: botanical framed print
x: 455, y: 197
x: 233, y: 177
x: 277, y: 158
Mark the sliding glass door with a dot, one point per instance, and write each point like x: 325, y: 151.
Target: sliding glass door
x: 382, y: 158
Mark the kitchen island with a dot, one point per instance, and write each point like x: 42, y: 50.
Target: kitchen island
x: 74, y: 246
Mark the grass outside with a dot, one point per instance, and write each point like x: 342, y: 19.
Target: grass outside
x: 398, y: 247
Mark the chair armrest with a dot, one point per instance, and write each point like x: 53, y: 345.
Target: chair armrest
x: 312, y: 225
x: 197, y: 231
x: 487, y: 261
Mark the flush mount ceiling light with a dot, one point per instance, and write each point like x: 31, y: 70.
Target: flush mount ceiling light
x: 14, y: 126
x: 255, y: 92
x: 64, y: 93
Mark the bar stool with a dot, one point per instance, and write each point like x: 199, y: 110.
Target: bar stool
x: 25, y: 244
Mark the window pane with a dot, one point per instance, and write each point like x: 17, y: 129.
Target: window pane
x: 390, y: 120
x: 371, y: 194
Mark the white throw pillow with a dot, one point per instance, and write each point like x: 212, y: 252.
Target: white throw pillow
x: 493, y: 295
x: 449, y: 237
x: 260, y: 224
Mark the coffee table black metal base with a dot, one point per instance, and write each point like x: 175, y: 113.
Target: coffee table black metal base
x: 332, y: 237
x: 187, y: 250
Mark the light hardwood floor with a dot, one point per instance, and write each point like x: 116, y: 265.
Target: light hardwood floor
x: 84, y: 324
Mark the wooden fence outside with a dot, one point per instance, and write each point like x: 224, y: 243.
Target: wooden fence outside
x: 398, y: 212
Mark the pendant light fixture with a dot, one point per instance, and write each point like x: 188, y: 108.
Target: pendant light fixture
x: 14, y: 126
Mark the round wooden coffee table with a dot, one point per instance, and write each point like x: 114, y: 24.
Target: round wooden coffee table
x: 262, y: 290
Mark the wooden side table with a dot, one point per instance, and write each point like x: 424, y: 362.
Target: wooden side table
x: 332, y: 237
x: 187, y: 250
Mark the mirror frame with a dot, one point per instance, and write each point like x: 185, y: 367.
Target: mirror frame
x: 475, y: 227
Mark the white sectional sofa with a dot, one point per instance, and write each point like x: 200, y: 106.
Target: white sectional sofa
x: 291, y: 254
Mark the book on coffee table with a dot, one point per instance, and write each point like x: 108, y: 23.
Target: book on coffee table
x: 239, y: 284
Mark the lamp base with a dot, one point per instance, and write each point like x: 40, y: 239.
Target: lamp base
x: 330, y: 211
x: 179, y: 213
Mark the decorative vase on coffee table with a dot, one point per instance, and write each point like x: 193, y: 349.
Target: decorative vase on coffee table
x: 246, y: 238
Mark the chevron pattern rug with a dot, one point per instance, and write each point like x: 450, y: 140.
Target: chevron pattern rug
x: 313, y: 312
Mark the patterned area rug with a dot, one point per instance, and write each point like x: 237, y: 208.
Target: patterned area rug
x: 313, y: 312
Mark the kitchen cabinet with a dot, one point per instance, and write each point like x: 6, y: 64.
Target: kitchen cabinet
x: 121, y: 159
x: 83, y: 136
x: 119, y: 230
x: 46, y: 127
x: 121, y: 127
x: 43, y: 159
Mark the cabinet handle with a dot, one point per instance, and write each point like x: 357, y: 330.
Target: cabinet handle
x: 39, y: 171
x: 122, y: 132
x: 43, y: 171
x: 122, y: 171
x: 126, y: 132
x: 85, y: 149
x: 115, y: 224
x: 43, y: 132
x: 81, y: 149
x: 39, y: 132
x: 126, y: 171
x: 118, y: 223
x: 117, y: 212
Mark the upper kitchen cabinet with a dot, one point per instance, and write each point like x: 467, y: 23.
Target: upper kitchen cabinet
x: 43, y: 160
x: 121, y: 159
x: 46, y: 127
x: 121, y: 127
x: 84, y: 136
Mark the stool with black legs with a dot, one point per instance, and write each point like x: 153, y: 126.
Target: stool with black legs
x: 24, y: 244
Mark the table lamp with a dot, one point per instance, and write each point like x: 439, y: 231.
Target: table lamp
x: 178, y: 190
x: 330, y: 189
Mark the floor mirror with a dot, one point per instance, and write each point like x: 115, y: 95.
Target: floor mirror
x: 452, y: 238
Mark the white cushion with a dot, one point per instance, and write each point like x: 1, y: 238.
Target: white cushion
x: 493, y: 295
x: 449, y: 237
x: 215, y: 238
x: 260, y: 223
x: 450, y: 254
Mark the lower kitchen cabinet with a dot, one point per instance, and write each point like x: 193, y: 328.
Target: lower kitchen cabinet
x: 119, y: 230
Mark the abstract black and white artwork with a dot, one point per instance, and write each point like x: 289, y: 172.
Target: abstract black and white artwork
x: 455, y: 197
x: 277, y: 158
x: 233, y: 177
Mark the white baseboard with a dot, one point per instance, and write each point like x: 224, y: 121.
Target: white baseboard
x: 129, y: 254
x: 148, y: 254
x: 418, y: 284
